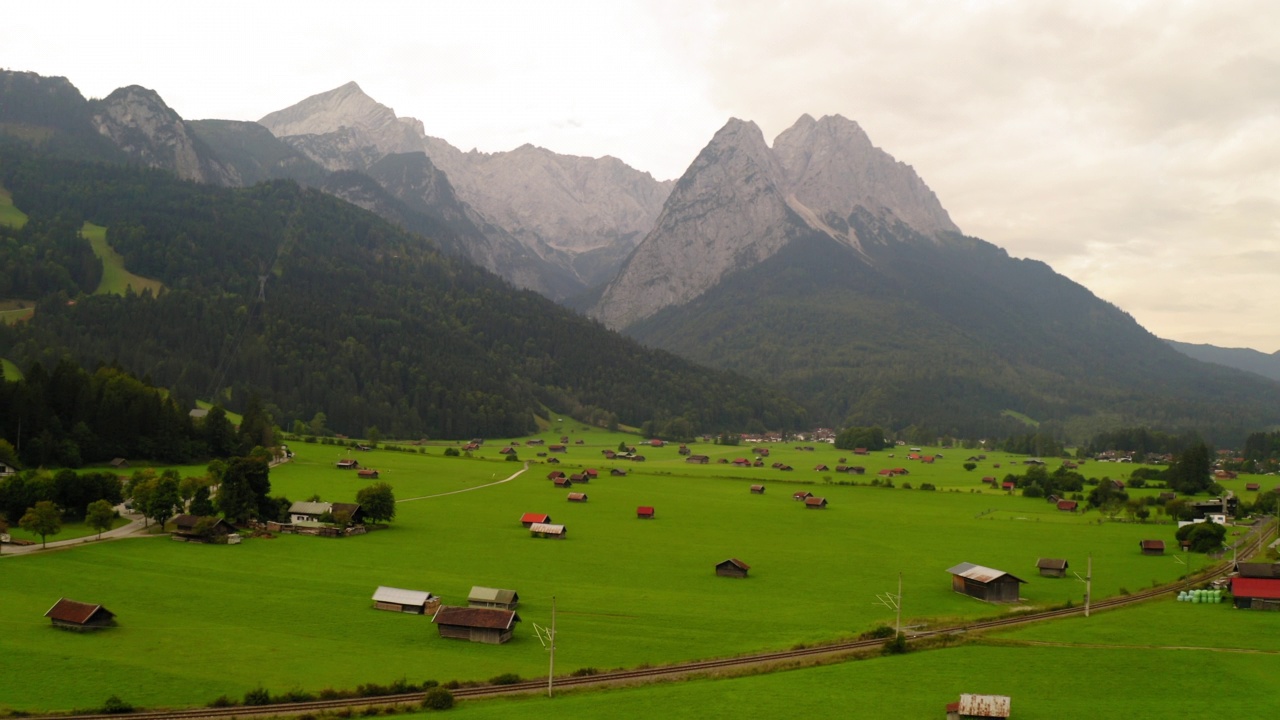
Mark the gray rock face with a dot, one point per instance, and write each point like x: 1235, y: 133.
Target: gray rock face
x: 576, y: 216
x: 148, y: 130
x: 741, y: 202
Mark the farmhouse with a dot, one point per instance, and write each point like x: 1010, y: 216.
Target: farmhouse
x: 1256, y: 593
x: 815, y: 503
x: 645, y: 511
x: 485, y: 597
x: 801, y: 495
x: 547, y: 530
x: 414, y: 602
x: 528, y: 519
x: 368, y: 474
x: 348, y: 464
x: 979, y: 706
x: 71, y: 615
x: 1052, y: 567
x: 311, y: 512
x: 577, y: 497
x: 984, y: 583
x: 1151, y: 547
x: 477, y: 624
x: 757, y: 489
x: 1068, y: 505
x: 185, y: 525
x: 733, y: 567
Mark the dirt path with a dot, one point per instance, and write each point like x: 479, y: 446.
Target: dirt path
x: 514, y: 475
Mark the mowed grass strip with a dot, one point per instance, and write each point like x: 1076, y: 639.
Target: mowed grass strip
x: 9, y: 214
x: 115, y: 278
x: 10, y: 370
x: 295, y: 611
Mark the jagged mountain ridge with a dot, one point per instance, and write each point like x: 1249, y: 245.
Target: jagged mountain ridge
x: 827, y: 266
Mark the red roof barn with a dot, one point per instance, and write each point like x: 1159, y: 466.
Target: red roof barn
x: 72, y: 615
x: 645, y: 511
x: 528, y: 519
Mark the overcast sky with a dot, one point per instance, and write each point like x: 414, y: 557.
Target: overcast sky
x: 1134, y: 146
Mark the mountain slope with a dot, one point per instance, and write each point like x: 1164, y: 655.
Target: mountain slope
x: 356, y: 318
x: 1246, y: 359
x: 848, y: 285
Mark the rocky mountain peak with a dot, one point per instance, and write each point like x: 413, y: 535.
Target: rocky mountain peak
x: 348, y: 108
x: 139, y: 122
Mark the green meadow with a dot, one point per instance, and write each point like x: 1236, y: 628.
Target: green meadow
x: 10, y: 371
x: 69, y: 531
x: 9, y: 214
x: 115, y: 278
x: 295, y: 612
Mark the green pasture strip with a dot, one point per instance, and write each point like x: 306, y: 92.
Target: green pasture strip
x: 9, y: 214
x: 1024, y: 419
x: 70, y: 531
x: 1046, y: 683
x: 1165, y: 623
x: 115, y: 278
x: 235, y: 418
x: 10, y: 371
x: 16, y: 315
x: 629, y: 591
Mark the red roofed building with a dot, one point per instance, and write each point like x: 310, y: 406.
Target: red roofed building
x: 645, y: 511
x: 1068, y: 505
x: 1151, y: 547
x: 72, y: 615
x: 528, y: 519
x: 1256, y: 593
x: 369, y: 474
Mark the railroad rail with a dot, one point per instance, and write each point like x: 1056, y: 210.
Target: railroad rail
x: 1252, y: 543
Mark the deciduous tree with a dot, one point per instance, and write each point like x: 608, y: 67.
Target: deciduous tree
x: 43, y: 519
x: 378, y: 502
x: 99, y: 516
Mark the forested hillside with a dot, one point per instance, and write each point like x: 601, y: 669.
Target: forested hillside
x: 353, y: 317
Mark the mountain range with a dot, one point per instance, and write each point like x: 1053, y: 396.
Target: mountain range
x: 818, y: 263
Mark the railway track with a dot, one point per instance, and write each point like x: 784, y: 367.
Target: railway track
x: 1252, y: 544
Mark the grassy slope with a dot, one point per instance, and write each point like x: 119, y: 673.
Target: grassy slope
x: 10, y: 371
x: 629, y: 591
x: 12, y: 311
x: 9, y: 214
x: 115, y: 278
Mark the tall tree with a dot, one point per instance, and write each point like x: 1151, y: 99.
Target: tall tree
x: 164, y: 501
x: 1190, y: 472
x: 377, y: 501
x: 42, y: 519
x: 243, y: 493
x: 99, y: 516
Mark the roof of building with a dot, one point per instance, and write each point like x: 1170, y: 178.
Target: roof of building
x: 535, y: 518
x: 75, y: 612
x: 735, y: 562
x: 980, y: 573
x: 983, y: 706
x: 348, y: 508
x: 1051, y: 564
x: 547, y: 528
x: 1068, y: 504
x: 302, y: 507
x: 645, y: 510
x: 401, y: 596
x: 1258, y: 570
x: 487, y: 594
x: 1151, y: 544
x: 577, y: 496
x: 473, y: 617
x: 1266, y: 588
x: 815, y: 501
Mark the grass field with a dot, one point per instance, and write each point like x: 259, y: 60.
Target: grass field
x: 115, y: 278
x: 10, y: 215
x: 70, y: 531
x: 9, y: 370
x: 294, y: 612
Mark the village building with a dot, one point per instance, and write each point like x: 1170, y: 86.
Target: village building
x: 1256, y: 586
x: 1068, y: 505
x: 733, y: 567
x: 591, y: 473
x: 615, y: 472
x: 188, y: 526
x: 414, y: 602
x: 579, y: 477
x: 477, y: 624
x: 815, y: 503
x: 6, y: 469
x: 698, y: 459
x: 645, y: 512
x: 486, y: 597
x: 555, y: 474
x: 577, y: 497
x: 311, y: 512
x: 119, y: 463
x: 548, y: 530
x: 348, y: 464
x: 801, y: 495
x: 1052, y: 567
x: 563, y: 482
x: 367, y: 474
x: 757, y: 489
x: 557, y: 448
x: 530, y: 518
x: 1151, y: 547
x: 71, y: 615
x: 979, y: 706
x: 984, y: 583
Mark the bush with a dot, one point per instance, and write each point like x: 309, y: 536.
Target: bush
x: 115, y: 705
x: 451, y: 452
x: 880, y: 631
x: 927, y: 486
x: 257, y: 696
x: 438, y: 698
x: 896, y: 646
x: 969, y: 466
x: 222, y: 701
x: 584, y: 672
x: 504, y: 679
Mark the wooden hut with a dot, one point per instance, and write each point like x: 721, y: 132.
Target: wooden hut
x: 483, y: 625
x: 801, y: 495
x: 733, y: 567
x: 757, y: 489
x: 367, y: 474
x: 979, y: 706
x: 348, y: 464
x: 487, y: 597
x: 528, y: 519
x: 1052, y: 567
x: 984, y: 583
x: 1151, y: 547
x: 563, y: 482
x: 815, y: 503
x: 547, y: 530
x: 71, y: 615
x: 577, y: 497
x: 186, y: 526
x: 645, y: 512
x: 1068, y: 505
x: 413, y: 602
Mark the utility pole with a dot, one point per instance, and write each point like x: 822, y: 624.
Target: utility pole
x: 551, y: 671
x: 1088, y: 584
x: 898, y: 624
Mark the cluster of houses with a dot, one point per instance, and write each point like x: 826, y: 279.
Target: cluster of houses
x: 489, y: 616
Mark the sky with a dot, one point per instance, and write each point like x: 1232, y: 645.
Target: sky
x: 1134, y: 146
